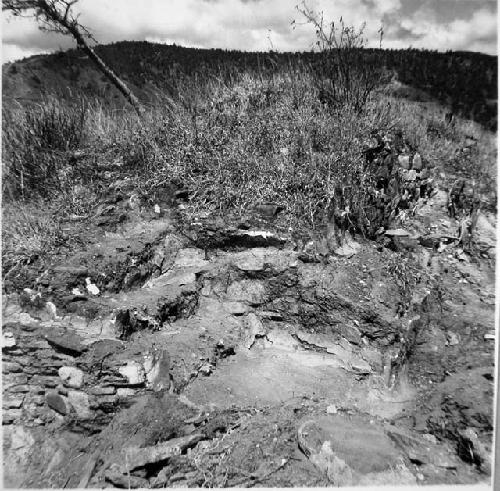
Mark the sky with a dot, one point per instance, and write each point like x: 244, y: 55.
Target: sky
x: 262, y: 25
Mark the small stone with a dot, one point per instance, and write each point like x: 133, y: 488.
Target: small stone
x: 430, y: 438
x: 14, y: 379
x: 103, y: 391
x: 80, y: 403
x: 347, y: 250
x: 10, y: 416
x: 331, y: 409
x: 26, y: 319
x: 481, y: 454
x: 411, y: 175
x: 20, y: 389
x: 351, y: 333
x: 133, y: 372
x: 134, y: 201
x: 453, y: 338
x: 206, y: 369
x: 71, y: 377
x: 91, y: 288
x: 51, y: 310
x: 120, y: 479
x: 157, y: 369
x: 15, y: 402
x: 11, y: 367
x: 105, y: 402
x: 57, y: 403
x: 417, y: 161
x: 125, y: 392
x: 404, y: 161
x: 50, y: 382
x: 8, y: 340
x: 361, y: 366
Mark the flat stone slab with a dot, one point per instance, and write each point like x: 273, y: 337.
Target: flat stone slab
x: 261, y: 258
x: 276, y: 368
x: 67, y: 342
x: 397, y: 232
x: 351, y: 450
x: 269, y: 376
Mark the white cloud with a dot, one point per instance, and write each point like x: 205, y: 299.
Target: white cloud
x: 247, y: 25
x: 13, y: 52
x: 477, y: 33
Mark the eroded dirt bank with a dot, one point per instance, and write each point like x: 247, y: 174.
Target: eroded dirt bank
x: 221, y: 353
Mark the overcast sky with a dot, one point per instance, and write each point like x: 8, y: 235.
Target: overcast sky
x: 265, y: 24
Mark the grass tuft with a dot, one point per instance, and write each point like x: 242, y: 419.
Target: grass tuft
x: 232, y: 143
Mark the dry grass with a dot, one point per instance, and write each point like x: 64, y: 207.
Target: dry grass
x: 29, y: 231
x: 232, y: 144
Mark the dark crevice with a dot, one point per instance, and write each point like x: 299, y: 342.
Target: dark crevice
x: 182, y: 308
x: 232, y: 240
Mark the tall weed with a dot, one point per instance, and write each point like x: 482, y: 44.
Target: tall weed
x: 36, y: 143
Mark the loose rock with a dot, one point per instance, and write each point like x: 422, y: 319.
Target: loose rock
x: 68, y: 342
x: 57, y: 403
x: 80, y: 403
x: 71, y: 377
x: 133, y: 372
x: 120, y: 480
x: 157, y: 369
x: 140, y: 457
x: 8, y: 340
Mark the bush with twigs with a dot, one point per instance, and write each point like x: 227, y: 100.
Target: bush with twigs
x: 345, y: 73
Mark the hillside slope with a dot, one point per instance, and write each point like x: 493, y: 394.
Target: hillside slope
x: 248, y: 286
x: 465, y: 82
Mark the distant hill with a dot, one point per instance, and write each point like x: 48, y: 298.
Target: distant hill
x: 465, y: 82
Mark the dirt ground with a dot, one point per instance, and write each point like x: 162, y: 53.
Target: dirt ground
x: 183, y: 353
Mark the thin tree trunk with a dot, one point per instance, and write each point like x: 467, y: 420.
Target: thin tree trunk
x: 73, y: 29
x: 113, y: 78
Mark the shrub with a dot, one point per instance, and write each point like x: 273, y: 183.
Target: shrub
x: 29, y: 231
x: 232, y: 142
x: 345, y: 75
x: 36, y: 145
x: 266, y: 139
